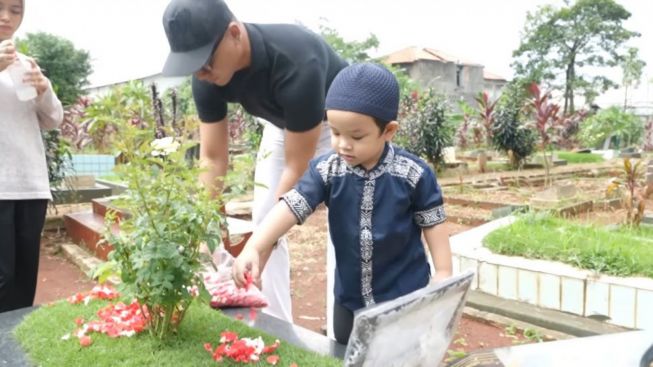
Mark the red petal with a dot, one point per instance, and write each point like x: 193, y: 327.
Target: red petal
x: 85, y: 341
x: 239, y: 316
x: 252, y: 314
x: 293, y: 365
x: 208, y: 347
x: 273, y: 359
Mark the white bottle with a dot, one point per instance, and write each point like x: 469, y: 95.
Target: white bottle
x: 25, y: 92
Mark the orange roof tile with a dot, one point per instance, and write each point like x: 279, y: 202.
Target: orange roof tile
x: 412, y: 54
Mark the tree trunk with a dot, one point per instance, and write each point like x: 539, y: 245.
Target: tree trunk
x: 625, y: 98
x: 569, y: 87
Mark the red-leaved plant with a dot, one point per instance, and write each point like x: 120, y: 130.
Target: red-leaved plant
x: 486, y: 115
x: 546, y: 122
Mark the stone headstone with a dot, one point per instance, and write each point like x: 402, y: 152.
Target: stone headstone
x: 449, y: 154
x: 554, y: 197
x: 412, y: 330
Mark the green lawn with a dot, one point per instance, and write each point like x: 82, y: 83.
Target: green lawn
x: 40, y: 334
x: 572, y: 157
x: 619, y: 252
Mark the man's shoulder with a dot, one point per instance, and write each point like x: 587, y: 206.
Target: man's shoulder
x: 287, y: 32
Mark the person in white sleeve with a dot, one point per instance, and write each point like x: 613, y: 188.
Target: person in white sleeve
x: 24, y: 185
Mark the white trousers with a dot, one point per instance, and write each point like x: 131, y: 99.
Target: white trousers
x: 270, y: 163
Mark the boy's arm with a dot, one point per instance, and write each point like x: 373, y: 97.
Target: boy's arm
x: 258, y: 248
x: 437, y: 240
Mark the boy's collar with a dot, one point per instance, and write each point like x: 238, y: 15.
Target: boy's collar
x: 386, y: 158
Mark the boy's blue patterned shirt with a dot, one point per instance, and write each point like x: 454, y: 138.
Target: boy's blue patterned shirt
x: 375, y: 222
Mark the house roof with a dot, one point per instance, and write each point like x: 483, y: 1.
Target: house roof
x: 412, y: 54
x: 487, y: 75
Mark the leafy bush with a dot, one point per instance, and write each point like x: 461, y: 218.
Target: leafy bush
x: 511, y: 136
x: 626, y: 127
x: 427, y: 129
x: 157, y: 252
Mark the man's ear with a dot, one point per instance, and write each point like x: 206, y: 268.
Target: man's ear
x: 390, y: 130
x: 233, y: 29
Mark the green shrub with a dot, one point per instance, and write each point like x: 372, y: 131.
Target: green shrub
x: 627, y: 128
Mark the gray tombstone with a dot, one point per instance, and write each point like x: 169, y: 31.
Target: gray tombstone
x: 412, y: 330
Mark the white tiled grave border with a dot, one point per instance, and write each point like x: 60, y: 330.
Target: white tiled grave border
x: 626, y: 301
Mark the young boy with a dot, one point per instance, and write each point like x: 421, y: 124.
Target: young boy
x: 381, y: 200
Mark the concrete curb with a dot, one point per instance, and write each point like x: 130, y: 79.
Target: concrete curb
x: 80, y: 257
x: 558, y: 321
x: 502, y: 321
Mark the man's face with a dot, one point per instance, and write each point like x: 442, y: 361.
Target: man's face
x: 224, y: 62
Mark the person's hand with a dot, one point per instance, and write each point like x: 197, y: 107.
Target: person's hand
x: 245, y: 269
x: 7, y: 54
x: 35, y: 77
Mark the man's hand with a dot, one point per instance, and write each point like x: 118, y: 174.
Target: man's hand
x: 245, y: 269
x: 7, y: 54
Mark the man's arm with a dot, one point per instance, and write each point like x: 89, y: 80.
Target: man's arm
x: 437, y: 240
x: 214, y: 154
x: 299, y: 149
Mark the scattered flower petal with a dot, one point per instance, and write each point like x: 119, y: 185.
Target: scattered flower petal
x: 85, y: 341
x: 273, y: 359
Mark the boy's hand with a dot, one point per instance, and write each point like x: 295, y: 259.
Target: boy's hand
x: 7, y: 54
x: 245, y: 269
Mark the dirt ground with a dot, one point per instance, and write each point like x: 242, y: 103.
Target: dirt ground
x: 58, y: 278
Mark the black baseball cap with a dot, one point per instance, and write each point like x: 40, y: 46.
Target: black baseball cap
x: 193, y: 28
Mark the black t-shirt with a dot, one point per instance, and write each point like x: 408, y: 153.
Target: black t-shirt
x: 286, y: 82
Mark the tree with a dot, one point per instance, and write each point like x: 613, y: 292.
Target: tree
x: 563, y: 41
x: 631, y: 67
x: 359, y: 51
x: 67, y: 67
x: 352, y: 51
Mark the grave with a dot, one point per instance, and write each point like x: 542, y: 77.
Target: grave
x: 450, y: 160
x: 11, y: 354
x: 79, y: 189
x: 630, y: 153
x: 554, y: 197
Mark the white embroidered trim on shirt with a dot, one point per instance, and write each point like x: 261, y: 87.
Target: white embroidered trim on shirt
x: 407, y: 169
x: 366, y: 242
x: 331, y: 167
x: 430, y: 217
x: 298, y: 205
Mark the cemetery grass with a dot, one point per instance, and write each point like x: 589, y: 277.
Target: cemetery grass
x: 42, y: 331
x: 573, y: 158
x: 620, y: 251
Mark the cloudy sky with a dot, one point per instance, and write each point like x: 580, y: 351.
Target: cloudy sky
x: 126, y: 39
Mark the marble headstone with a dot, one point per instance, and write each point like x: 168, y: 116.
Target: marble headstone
x: 412, y: 330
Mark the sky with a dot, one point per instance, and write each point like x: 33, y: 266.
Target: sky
x: 126, y: 40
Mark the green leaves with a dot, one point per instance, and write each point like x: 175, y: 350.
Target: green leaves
x: 426, y: 128
x: 562, y: 41
x: 171, y: 214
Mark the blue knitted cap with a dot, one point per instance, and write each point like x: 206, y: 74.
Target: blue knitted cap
x: 365, y: 88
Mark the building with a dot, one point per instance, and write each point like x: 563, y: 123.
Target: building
x: 162, y: 82
x: 455, y: 77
